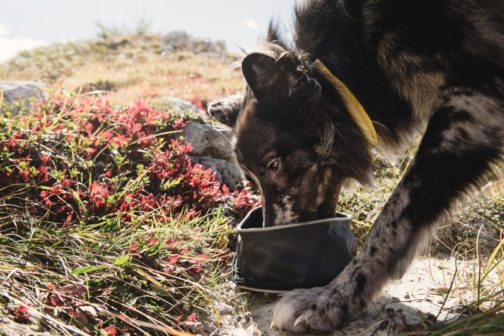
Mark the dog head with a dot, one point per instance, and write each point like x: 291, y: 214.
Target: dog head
x: 294, y: 139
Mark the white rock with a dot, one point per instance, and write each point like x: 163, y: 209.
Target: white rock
x: 212, y: 148
x: 18, y: 94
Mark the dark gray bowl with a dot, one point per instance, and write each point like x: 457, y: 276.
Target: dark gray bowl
x: 300, y: 255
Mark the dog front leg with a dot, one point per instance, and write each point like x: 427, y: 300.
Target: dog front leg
x: 462, y: 140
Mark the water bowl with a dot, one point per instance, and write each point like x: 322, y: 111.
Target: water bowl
x: 290, y: 256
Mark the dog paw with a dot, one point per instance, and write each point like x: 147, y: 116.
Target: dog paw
x: 308, y: 310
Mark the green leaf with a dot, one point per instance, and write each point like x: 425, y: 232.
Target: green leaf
x: 140, y: 169
x: 170, y: 184
x: 58, y: 175
x: 88, y: 269
x: 121, y: 261
x: 74, y: 172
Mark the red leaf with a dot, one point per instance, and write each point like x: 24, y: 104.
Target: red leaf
x: 178, y: 123
x: 136, y: 128
x: 67, y: 183
x: 21, y: 314
x: 68, y: 218
x: 173, y: 258
x: 89, y: 127
x: 90, y: 151
x: 195, y: 269
x: 55, y: 300
x: 111, y: 330
x: 45, y: 158
x: 199, y: 258
x: 107, y: 135
x: 170, y: 243
x: 192, y: 317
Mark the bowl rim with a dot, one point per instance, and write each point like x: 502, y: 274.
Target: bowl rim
x: 341, y: 217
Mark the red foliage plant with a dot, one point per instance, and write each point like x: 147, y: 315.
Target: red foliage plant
x: 83, y: 158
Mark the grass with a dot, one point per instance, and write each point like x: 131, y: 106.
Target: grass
x: 485, y: 314
x: 106, y: 227
x: 86, y: 280
x: 151, y: 273
x: 127, y: 66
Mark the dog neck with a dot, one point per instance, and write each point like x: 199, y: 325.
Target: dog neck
x: 337, y: 42
x: 352, y: 104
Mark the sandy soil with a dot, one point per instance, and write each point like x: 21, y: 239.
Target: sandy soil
x: 431, y: 290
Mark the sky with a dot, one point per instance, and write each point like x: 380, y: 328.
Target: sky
x: 27, y: 24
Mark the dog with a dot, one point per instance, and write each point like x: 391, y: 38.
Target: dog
x: 358, y: 75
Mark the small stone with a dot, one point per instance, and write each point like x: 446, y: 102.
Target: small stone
x: 180, y: 105
x: 181, y: 41
x: 18, y: 95
x: 253, y: 331
x: 223, y: 308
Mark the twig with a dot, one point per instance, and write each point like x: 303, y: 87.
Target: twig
x: 449, y: 290
x: 479, y: 264
x: 166, y: 329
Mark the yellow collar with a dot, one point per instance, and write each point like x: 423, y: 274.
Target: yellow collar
x: 352, y: 104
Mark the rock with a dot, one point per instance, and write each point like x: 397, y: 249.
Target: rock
x: 212, y: 148
x: 209, y: 140
x: 223, y: 308
x: 18, y: 94
x: 97, y: 87
x: 211, y: 145
x: 227, y: 172
x: 180, y: 105
x: 182, y: 41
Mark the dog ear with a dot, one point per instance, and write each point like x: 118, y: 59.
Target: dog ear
x: 226, y: 109
x: 269, y: 79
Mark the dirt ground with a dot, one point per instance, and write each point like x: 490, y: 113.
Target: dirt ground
x: 431, y: 290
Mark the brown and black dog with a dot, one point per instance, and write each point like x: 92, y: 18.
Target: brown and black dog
x: 361, y: 73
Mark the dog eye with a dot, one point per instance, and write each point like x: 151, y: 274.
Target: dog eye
x: 274, y: 165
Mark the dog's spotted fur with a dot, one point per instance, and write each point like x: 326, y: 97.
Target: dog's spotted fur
x: 432, y: 65
x: 284, y: 213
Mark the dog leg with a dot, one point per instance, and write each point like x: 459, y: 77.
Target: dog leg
x: 464, y: 137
